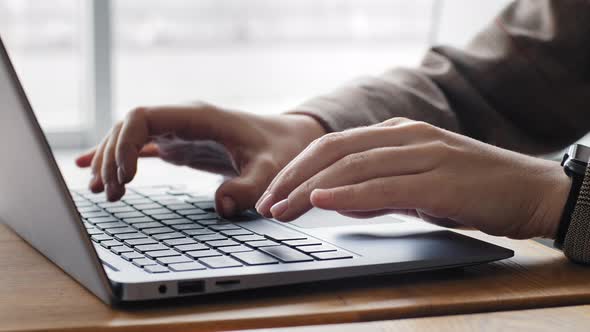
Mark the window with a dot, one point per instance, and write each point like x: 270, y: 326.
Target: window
x: 42, y: 38
x: 263, y: 56
x: 84, y: 63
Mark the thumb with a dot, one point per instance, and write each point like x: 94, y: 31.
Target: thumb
x: 241, y: 192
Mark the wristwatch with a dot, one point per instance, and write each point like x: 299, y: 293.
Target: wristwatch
x: 574, y: 162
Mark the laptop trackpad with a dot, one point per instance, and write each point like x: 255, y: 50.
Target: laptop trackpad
x: 316, y: 218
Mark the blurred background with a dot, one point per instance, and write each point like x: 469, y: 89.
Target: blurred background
x: 85, y: 63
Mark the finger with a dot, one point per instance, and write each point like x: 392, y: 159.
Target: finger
x: 371, y: 214
x: 240, y: 193
x: 398, y: 192
x: 85, y: 159
x: 332, y: 147
x: 114, y: 189
x: 185, y: 122
x: 356, y: 168
x: 150, y: 150
x: 96, y: 184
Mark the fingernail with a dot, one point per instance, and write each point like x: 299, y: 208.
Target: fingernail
x: 121, y: 175
x: 321, y: 195
x: 265, y: 204
x: 279, y: 209
x: 262, y: 197
x: 228, y: 205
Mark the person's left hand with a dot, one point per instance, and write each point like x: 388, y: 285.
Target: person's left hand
x: 413, y: 167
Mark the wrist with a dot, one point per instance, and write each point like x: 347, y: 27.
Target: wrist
x: 556, y: 199
x: 304, y: 126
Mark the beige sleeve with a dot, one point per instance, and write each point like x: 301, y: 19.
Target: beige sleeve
x: 523, y: 83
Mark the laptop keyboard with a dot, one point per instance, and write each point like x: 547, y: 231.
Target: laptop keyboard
x: 162, y: 229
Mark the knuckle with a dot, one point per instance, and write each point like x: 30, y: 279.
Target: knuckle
x: 395, y: 121
x: 355, y: 162
x: 137, y: 112
x: 330, y: 141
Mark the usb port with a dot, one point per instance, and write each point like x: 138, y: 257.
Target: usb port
x: 191, y: 287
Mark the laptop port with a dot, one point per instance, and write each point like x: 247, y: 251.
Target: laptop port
x: 191, y: 287
x: 227, y: 283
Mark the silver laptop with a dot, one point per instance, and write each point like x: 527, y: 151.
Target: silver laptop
x: 164, y: 242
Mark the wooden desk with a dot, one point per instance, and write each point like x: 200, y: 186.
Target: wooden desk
x: 571, y: 319
x: 36, y: 295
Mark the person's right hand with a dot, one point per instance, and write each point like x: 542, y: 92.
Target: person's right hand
x: 253, y: 148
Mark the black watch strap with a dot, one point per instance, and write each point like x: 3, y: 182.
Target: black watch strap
x: 566, y: 216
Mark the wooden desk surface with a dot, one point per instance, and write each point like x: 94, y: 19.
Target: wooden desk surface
x: 36, y: 295
x: 571, y: 319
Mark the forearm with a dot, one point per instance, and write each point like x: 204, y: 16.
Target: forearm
x: 517, y: 85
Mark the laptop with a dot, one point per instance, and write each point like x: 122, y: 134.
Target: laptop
x: 164, y: 241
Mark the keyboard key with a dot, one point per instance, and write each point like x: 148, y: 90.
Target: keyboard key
x: 157, y: 230
x: 120, y: 230
x: 137, y: 201
x: 278, y: 232
x: 137, y: 220
x: 191, y: 247
x: 132, y: 255
x: 306, y: 242
x: 210, y: 237
x: 254, y: 258
x: 144, y: 225
x: 181, y: 206
x: 187, y: 226
x: 161, y: 253
x: 123, y: 215
x: 91, y: 208
x: 91, y: 230
x: 248, y: 238
x: 94, y: 214
x: 168, y: 236
x: 165, y: 216
x: 219, y: 262
x: 114, y: 224
x: 119, y: 209
x: 139, y: 242
x: 260, y: 244
x: 190, y: 211
x: 173, y: 260
x: 178, y: 242
x: 84, y: 203
x: 236, y: 232
x: 203, y: 253
x: 224, y: 227
x: 286, y: 254
x: 110, y: 243
x: 316, y: 248
x: 192, y: 266
x: 141, y: 262
x: 120, y: 249
x: 211, y: 222
x: 232, y: 249
x: 198, y: 231
x: 99, y: 220
x: 331, y: 255
x: 160, y: 210
x: 148, y: 206
x: 201, y: 216
x: 129, y: 236
x: 151, y: 247
x: 178, y: 221
x: 222, y: 243
x: 155, y: 269
x: 107, y: 205
x: 207, y: 206
x: 101, y: 237
x: 176, y: 192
